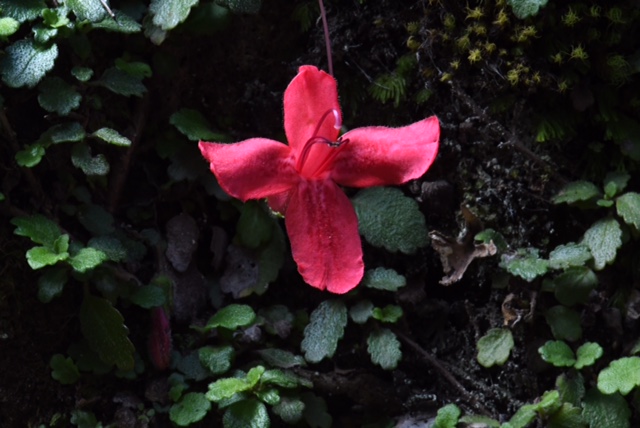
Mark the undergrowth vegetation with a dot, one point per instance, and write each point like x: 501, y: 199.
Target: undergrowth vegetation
x: 170, y: 301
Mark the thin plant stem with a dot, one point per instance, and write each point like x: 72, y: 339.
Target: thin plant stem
x: 327, y: 40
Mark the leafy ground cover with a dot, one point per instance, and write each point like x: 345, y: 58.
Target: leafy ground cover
x: 500, y: 289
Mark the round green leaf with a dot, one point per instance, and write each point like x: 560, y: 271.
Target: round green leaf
x: 383, y: 279
x: 494, y: 347
x: 526, y: 264
x: 447, y: 416
x: 603, y: 238
x: 216, y: 359
x: 86, y: 259
x: 576, y: 191
x: 587, y: 354
x: 193, y: 124
x: 289, y: 409
x: 30, y: 156
x: 22, y: 10
x: 574, y: 285
x: 621, y: 376
x: 628, y: 207
x: 64, y: 370
x: 388, y: 219
x: 558, y: 353
x: 148, y: 296
x: 361, y: 311
x: 38, y: 228
x: 26, y: 63
x: 605, y: 411
x: 246, y: 414
x: 39, y: 257
x: 122, y: 83
x: 255, y: 227
x: 169, y: 13
x: 57, y: 96
x: 281, y: 358
x: 83, y: 74
x: 88, y: 10
x: 103, y: 328
x: 51, y: 284
x: 390, y: 313
x: 325, y: 328
x: 384, y: 348
x: 192, y: 408
x: 91, y: 165
x: 112, y: 136
x: 122, y: 23
x: 232, y: 317
x: 564, y: 323
x: 569, y: 255
x: 8, y: 26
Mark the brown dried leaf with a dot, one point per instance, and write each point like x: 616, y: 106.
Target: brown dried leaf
x: 457, y: 254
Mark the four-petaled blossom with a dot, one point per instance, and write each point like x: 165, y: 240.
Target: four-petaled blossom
x: 301, y: 180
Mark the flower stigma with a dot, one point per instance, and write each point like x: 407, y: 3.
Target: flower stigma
x: 322, y: 158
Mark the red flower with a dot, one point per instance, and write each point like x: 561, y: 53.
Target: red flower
x: 301, y: 180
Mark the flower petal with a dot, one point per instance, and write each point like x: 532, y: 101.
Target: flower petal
x: 251, y: 169
x: 377, y: 156
x: 323, y: 230
x: 310, y: 95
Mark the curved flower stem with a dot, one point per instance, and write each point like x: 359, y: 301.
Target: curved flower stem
x: 327, y: 39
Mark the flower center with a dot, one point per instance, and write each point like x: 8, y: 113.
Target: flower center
x: 311, y: 165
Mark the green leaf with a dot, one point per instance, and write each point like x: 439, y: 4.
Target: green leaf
x: 98, y: 221
x: 91, y: 165
x: 88, y: 10
x: 113, y: 247
x: 615, y: 182
x: 148, y: 296
x: 193, y: 124
x: 228, y: 387
x: 64, y: 370
x: 576, y: 191
x: 325, y: 328
x: 315, y: 411
x: 574, y: 285
x: 526, y: 264
x: 557, y: 353
x: 605, y: 411
x: 564, y: 323
x: 43, y: 35
x: 283, y: 379
x: 8, y: 26
x: 192, y: 368
x: 569, y: 255
x: 122, y: 23
x: 56, y: 96
x: 246, y: 414
x: 621, y: 376
x: 383, y: 279
x: 169, y: 13
x: 479, y: 421
x: 567, y: 416
x: 86, y: 259
x: 522, y: 418
x: 26, y: 63
x: 361, y: 311
x: 83, y: 74
x: 271, y: 258
x: 134, y: 68
x: 494, y: 347
x: 281, y: 358
x: 30, y: 156
x: 242, y: 6
x: 112, y: 136
x: 587, y: 354
x: 254, y: 225
x: 51, y: 283
x: 122, y: 83
x: 22, y: 10
x: 39, y: 257
x: 603, y: 238
x: 384, y: 348
x: 447, y: 416
x: 289, y: 409
x: 103, y: 328
x: 217, y: 359
x: 388, y: 219
x: 55, y: 18
x: 193, y: 407
x: 38, y: 228
x: 571, y: 387
x: 232, y: 317
x: 63, y: 133
x: 390, y: 313
x: 628, y: 207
